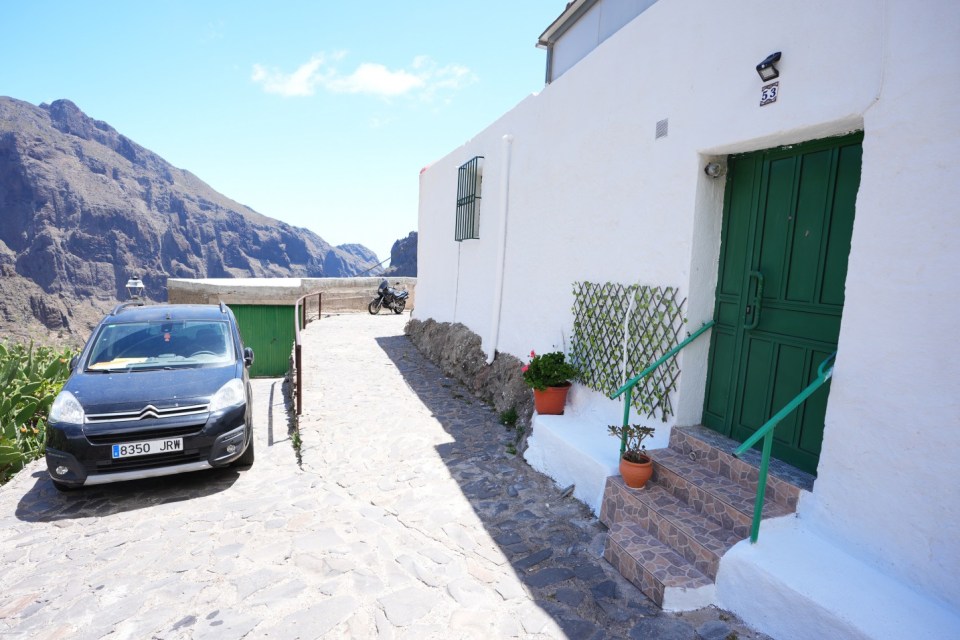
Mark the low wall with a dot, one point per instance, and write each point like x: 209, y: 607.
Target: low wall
x: 339, y: 294
x: 456, y: 350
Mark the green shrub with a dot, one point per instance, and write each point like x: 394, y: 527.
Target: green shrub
x: 509, y: 418
x: 30, y: 378
x: 547, y: 370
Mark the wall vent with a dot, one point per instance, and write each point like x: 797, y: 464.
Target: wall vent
x: 662, y: 126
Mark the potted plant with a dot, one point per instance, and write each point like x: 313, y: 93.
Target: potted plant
x: 636, y: 467
x: 549, y: 376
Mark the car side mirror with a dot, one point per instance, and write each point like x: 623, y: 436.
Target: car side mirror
x: 247, y: 356
x: 73, y: 363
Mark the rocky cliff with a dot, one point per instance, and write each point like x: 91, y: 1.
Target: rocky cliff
x: 83, y: 207
x: 403, y: 257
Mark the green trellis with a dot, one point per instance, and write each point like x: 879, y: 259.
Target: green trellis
x: 617, y: 326
x: 597, y: 341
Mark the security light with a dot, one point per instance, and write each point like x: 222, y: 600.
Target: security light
x: 714, y: 169
x: 766, y: 69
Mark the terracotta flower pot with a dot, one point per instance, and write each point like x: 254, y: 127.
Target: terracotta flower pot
x: 636, y: 474
x: 551, y: 400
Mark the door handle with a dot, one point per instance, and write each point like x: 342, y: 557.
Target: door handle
x: 757, y: 301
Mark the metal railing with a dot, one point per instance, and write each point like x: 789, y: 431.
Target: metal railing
x: 469, y: 179
x: 766, y: 432
x: 300, y: 322
x: 632, y: 382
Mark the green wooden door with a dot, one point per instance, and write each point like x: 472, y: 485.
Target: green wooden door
x: 787, y: 224
x: 269, y: 331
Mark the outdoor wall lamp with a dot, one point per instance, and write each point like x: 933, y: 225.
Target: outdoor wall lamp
x: 766, y: 69
x: 135, y: 287
x: 714, y: 169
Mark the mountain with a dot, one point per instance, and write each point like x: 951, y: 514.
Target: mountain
x: 83, y: 207
x: 403, y: 257
x: 363, y: 254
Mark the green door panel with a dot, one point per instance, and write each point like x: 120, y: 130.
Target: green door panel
x: 788, y: 215
x: 841, y: 226
x: 269, y: 331
x: 739, y: 204
x: 809, y: 229
x: 724, y: 344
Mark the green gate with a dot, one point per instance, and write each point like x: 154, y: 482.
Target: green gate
x: 269, y: 331
x: 787, y: 224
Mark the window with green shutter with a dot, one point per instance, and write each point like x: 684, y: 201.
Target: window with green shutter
x: 469, y: 181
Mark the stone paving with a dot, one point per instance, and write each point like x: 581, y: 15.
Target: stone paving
x: 408, y: 519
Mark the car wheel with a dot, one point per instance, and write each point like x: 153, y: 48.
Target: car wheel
x: 246, y: 460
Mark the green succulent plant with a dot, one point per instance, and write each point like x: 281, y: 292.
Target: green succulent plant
x: 632, y: 435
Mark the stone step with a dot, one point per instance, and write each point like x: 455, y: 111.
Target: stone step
x: 697, y: 537
x: 714, y: 451
x: 709, y: 493
x: 657, y: 570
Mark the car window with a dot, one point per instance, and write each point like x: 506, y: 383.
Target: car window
x: 161, y: 344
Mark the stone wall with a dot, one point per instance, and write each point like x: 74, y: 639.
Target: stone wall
x: 339, y: 294
x: 456, y: 350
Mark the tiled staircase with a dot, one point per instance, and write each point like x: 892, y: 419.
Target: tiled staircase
x: 668, y: 537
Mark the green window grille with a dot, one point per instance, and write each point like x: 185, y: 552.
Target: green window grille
x: 469, y: 180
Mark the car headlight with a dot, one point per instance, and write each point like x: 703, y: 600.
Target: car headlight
x: 66, y: 408
x: 227, y: 396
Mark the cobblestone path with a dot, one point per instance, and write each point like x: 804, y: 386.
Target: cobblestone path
x: 408, y: 519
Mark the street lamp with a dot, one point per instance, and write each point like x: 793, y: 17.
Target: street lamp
x: 135, y: 288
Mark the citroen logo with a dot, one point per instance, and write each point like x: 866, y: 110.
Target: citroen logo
x: 149, y: 411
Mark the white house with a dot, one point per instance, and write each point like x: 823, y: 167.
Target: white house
x: 804, y: 213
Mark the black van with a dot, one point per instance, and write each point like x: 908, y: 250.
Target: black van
x: 157, y: 390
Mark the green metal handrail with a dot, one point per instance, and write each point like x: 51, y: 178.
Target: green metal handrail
x: 766, y: 432
x: 632, y: 382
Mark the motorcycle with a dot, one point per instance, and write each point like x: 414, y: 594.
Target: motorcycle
x: 387, y: 296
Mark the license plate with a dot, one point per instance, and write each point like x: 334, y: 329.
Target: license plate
x: 146, y: 448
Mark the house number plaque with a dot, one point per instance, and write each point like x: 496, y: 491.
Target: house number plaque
x: 769, y: 92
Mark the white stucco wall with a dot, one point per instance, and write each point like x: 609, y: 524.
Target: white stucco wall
x: 886, y: 478
x: 593, y: 196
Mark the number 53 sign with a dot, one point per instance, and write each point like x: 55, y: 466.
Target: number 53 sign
x: 769, y: 93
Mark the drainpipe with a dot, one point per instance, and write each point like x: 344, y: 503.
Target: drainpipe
x: 506, y: 144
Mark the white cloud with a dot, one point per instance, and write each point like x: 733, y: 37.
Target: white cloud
x: 376, y: 79
x: 378, y: 122
x: 451, y: 77
x: 423, y: 79
x: 302, y: 82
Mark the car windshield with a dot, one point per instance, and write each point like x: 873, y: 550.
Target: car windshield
x: 131, y: 346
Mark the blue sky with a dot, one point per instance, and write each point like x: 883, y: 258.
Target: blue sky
x: 320, y: 114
